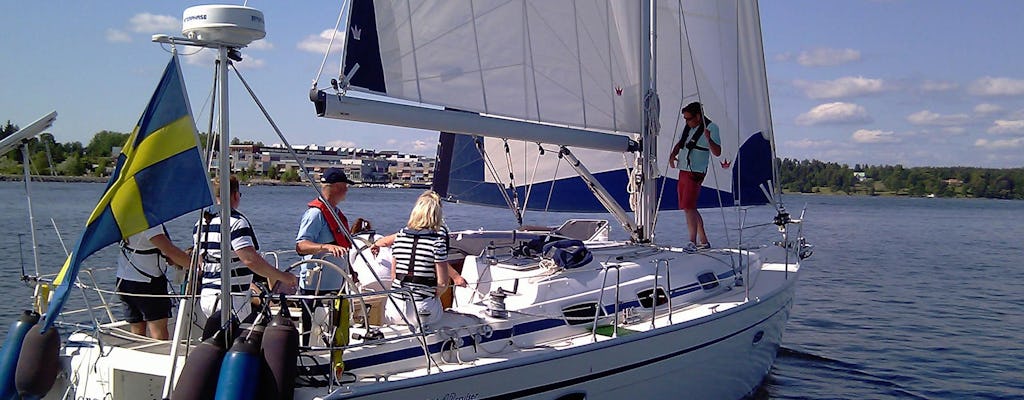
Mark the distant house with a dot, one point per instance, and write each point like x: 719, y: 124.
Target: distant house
x: 953, y: 182
x: 860, y: 175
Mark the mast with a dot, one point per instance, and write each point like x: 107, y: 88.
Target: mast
x: 647, y: 163
x: 224, y: 173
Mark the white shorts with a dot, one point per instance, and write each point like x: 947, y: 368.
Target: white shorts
x: 430, y: 311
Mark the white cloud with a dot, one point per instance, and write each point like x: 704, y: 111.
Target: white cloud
x: 990, y: 86
x: 118, y: 36
x: 261, y: 44
x: 987, y: 108
x: 420, y: 145
x: 874, y: 136
x: 391, y: 142
x: 926, y: 117
x: 152, y: 23
x: 827, y: 57
x: 933, y: 86
x: 1006, y: 127
x: 1002, y: 144
x: 341, y: 143
x: 954, y: 130
x: 843, y: 87
x: 206, y: 57
x: 783, y: 57
x: 808, y: 144
x: 834, y: 113
x: 318, y: 43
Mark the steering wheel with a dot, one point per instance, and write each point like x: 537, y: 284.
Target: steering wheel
x: 344, y: 274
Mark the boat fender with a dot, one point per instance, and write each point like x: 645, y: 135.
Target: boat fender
x: 38, y: 363
x: 199, y: 375
x: 11, y: 351
x: 241, y: 365
x: 281, y: 352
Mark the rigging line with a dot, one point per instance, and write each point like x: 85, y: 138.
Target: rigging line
x: 528, y: 48
x: 497, y: 178
x: 684, y: 37
x: 330, y: 45
x: 211, y: 138
x: 415, y: 63
x: 533, y: 175
x: 554, y: 178
x: 479, y: 63
x: 512, y: 183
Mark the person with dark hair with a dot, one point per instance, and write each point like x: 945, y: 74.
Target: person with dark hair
x: 700, y: 140
x: 245, y: 259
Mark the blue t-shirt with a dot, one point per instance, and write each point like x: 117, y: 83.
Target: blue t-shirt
x: 313, y: 227
x: 698, y: 159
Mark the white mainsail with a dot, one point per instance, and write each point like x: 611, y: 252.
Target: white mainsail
x: 577, y: 65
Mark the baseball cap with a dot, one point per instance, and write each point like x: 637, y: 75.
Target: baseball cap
x: 335, y: 175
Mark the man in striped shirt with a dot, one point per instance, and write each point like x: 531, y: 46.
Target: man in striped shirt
x: 245, y: 260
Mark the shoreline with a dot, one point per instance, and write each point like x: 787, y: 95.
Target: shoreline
x: 271, y: 182
x: 250, y: 182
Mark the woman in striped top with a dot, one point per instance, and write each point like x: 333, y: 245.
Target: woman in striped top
x: 420, y: 260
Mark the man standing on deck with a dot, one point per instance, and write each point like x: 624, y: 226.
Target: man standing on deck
x: 700, y: 139
x: 320, y: 236
x: 245, y: 259
x: 139, y: 271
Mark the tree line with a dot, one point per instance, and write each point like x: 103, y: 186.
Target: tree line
x: 813, y: 176
x: 49, y: 157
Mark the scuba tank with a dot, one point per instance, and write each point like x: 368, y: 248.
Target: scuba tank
x: 281, y: 352
x: 198, y: 379
x: 38, y: 362
x: 240, y: 371
x: 11, y: 351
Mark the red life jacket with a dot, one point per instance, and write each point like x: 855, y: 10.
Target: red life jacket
x: 339, y: 237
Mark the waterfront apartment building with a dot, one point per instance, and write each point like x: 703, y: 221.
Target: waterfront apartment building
x: 362, y: 165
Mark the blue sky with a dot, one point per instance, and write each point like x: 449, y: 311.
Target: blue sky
x: 918, y: 83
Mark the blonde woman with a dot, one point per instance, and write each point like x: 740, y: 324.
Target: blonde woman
x: 420, y: 262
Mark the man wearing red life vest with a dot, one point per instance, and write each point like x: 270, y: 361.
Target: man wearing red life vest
x: 320, y: 236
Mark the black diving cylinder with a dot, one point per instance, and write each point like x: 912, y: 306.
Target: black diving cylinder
x: 241, y: 364
x: 281, y: 352
x: 38, y: 363
x: 198, y: 380
x: 11, y: 351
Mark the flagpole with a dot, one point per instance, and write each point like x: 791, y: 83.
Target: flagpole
x: 224, y: 171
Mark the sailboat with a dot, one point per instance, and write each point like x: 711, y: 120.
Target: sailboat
x: 517, y: 89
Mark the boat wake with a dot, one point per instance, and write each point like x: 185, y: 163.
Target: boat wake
x: 795, y: 367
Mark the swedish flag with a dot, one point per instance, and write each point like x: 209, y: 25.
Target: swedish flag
x: 159, y: 176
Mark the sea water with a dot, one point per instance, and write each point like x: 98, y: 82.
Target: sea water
x: 903, y: 297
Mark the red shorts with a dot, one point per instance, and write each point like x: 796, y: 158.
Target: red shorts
x: 688, y: 189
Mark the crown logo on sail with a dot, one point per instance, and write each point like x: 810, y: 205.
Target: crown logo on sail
x: 356, y: 32
x: 618, y: 90
x: 726, y: 164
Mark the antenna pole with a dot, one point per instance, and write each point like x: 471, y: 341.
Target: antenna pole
x: 224, y: 172
x: 28, y: 197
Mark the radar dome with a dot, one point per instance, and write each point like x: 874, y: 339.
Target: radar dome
x: 234, y: 26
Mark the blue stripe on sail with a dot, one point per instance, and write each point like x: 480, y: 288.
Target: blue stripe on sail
x: 464, y: 181
x: 754, y: 169
x: 362, y: 48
